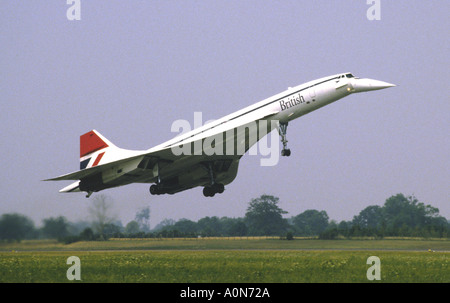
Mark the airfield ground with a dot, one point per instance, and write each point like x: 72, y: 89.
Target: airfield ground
x: 227, y: 260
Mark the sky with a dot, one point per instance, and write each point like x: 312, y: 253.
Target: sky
x: 129, y: 69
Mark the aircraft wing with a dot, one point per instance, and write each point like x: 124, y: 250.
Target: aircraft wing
x: 165, y: 155
x: 105, y: 165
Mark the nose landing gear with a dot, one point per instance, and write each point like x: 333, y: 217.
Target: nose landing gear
x: 283, y: 130
x: 285, y: 152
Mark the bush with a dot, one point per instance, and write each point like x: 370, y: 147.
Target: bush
x: 87, y: 235
x: 329, y: 234
x: 289, y: 236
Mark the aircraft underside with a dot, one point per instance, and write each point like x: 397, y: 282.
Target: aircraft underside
x: 213, y: 175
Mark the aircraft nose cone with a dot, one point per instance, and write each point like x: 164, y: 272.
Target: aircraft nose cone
x: 364, y: 85
x: 376, y: 84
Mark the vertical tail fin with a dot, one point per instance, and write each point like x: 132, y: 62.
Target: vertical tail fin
x: 93, y: 147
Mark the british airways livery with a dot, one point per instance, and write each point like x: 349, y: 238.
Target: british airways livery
x: 207, y: 156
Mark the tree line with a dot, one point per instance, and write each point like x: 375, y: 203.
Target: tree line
x: 399, y: 216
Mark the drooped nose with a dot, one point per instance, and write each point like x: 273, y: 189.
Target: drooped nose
x: 365, y: 85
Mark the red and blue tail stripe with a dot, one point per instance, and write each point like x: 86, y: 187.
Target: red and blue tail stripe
x: 90, y: 143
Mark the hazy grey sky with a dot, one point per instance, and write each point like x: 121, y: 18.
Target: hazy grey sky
x: 131, y: 68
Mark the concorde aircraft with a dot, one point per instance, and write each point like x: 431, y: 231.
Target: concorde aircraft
x: 209, y: 155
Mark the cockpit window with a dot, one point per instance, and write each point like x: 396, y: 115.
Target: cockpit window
x: 349, y: 76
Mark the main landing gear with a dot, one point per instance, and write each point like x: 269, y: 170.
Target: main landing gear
x: 285, y: 152
x: 214, y: 188
x: 157, y: 189
x: 170, y: 187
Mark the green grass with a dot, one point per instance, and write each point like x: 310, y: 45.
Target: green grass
x: 259, y: 243
x: 223, y: 261
x: 225, y: 266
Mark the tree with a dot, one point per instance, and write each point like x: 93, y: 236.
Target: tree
x: 16, y: 227
x: 311, y: 222
x: 143, y: 219
x: 264, y: 217
x: 56, y: 228
x: 238, y: 228
x: 370, y: 217
x: 185, y: 226
x: 398, y: 211
x: 210, y: 226
x: 164, y: 224
x: 87, y: 234
x: 100, y: 211
x: 407, y: 213
x: 132, y: 228
x: 112, y: 230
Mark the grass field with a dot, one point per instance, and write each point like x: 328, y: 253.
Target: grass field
x: 227, y: 260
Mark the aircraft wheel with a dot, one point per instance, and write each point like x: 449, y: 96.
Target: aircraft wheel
x: 154, y: 190
x: 208, y: 191
x: 286, y: 152
x: 219, y: 188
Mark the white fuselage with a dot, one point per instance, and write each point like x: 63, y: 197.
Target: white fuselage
x: 211, y: 153
x: 283, y: 107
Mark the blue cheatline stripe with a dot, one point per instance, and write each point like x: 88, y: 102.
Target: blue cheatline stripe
x: 83, y: 164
